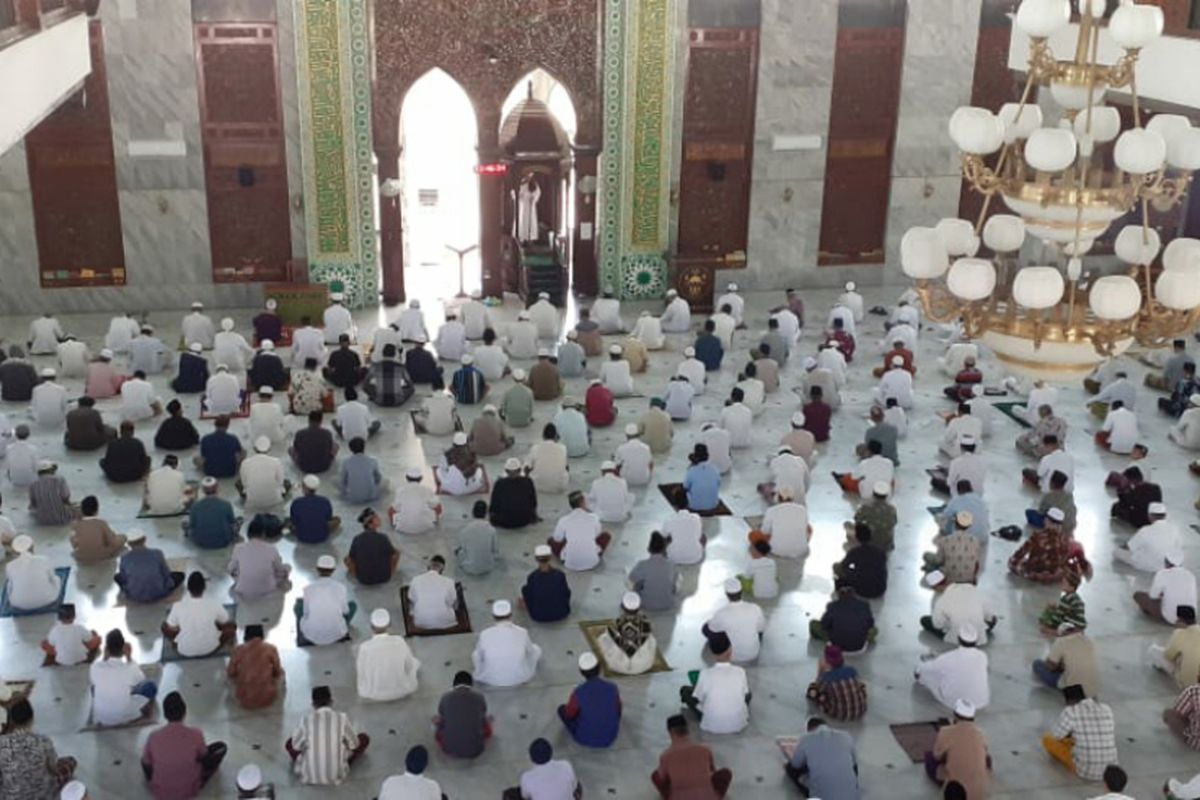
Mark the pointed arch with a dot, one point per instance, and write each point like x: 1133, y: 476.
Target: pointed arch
x: 551, y: 91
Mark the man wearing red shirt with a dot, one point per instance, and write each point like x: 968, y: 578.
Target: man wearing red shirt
x: 599, y: 407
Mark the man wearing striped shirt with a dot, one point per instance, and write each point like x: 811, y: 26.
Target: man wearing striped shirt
x: 325, y: 744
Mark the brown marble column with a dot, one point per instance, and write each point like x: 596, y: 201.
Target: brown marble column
x: 391, y: 229
x: 585, y: 278
x: 491, y: 197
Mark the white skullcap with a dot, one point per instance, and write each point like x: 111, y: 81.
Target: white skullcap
x: 311, y: 482
x: 882, y: 489
x: 208, y: 482
x: 1157, y: 508
x: 147, y: 327
x: 572, y: 335
x: 644, y: 314
x: 136, y: 535
x: 935, y: 578
x: 227, y: 324
x: 195, y: 347
x: 518, y: 374
x: 380, y: 618
x: 798, y: 419
x: 501, y: 608
x: 272, y: 304
x: 489, y: 409
x: 267, y: 344
x: 75, y: 790
x: 810, y: 363
x: 543, y: 295
x: 1174, y: 557
x: 596, y: 382
x: 785, y: 448
x: 542, y: 551
x: 49, y: 372
x: 420, y: 338
x: 222, y: 368
x: 615, y: 350
x: 588, y: 661
x: 851, y: 286
x: 44, y: 465
x: 1195, y: 400
x: 544, y: 352
x: 262, y: 444
x: 608, y: 466
x: 249, y: 778
x: 414, y: 303
x: 459, y: 439
x: 897, y: 361
x: 733, y: 287
x: 965, y: 709
x: 672, y: 293
x: 197, y: 304
x: 632, y: 430
x: 107, y: 355
x: 689, y: 351
x: 267, y: 391
x: 964, y: 519
x: 733, y: 586
x: 631, y: 601
x: 968, y: 634
x: 1056, y: 514
x: 512, y: 465
x: 523, y: 315
x: 336, y: 297
x: 326, y: 562
x: 467, y: 359
x: 414, y: 473
x: 967, y: 439
x: 22, y: 544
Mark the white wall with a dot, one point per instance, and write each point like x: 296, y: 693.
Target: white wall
x: 39, y: 72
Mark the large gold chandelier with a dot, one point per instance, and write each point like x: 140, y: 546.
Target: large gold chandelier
x: 1065, y: 183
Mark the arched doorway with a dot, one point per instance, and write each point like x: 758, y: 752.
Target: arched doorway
x: 439, y: 187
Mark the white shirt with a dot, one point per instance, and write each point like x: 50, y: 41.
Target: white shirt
x: 678, y: 398
x: 475, y: 318
x: 721, y: 691
x: 386, y: 667
x: 197, y: 619
x: 1120, y: 389
x: 717, y: 440
x: 21, y: 460
x: 383, y: 337
x: 491, y: 360
x: 1038, y: 397
x: 957, y: 355
x: 544, y: 317
x: 617, y: 377
x: 961, y: 604
x: 611, y: 498
x: 897, y: 383
x: 354, y: 418
x: 738, y: 419
x: 439, y: 411
x: 554, y: 780
x: 112, y: 681
x: 1122, y: 427
x: 967, y: 467
x: 677, y: 316
x: 326, y: 603
x: 164, y: 490
x: 32, y: 582
x: 121, y: 331
x: 763, y: 573
x: 959, y: 674
x: 505, y: 655
x: 433, y: 598
x: 231, y: 349
x: 415, y: 508
x: 853, y: 301
x: 48, y: 405
x: 898, y: 419
x: 44, y: 333
x: 262, y: 481
x: 788, y: 525
x: 636, y: 461
x: 1187, y: 431
x: 873, y: 470
x: 549, y: 462
x: 907, y: 314
x: 1176, y: 586
x: 198, y: 327
x: 72, y: 359
x: 723, y: 328
x: 338, y: 320
x: 223, y: 393
x: 789, y: 324
x: 606, y: 312
x: 903, y: 333
x: 411, y: 323
x: 307, y: 342
x: 834, y: 360
x: 522, y: 339
x: 684, y: 528
x: 267, y: 419
x: 790, y: 471
x: 451, y: 340
x: 736, y: 303
x: 69, y: 643
x: 1057, y: 461
x: 956, y: 429
x: 649, y: 332
x: 694, y: 370
x: 845, y: 315
x: 409, y: 787
x: 742, y: 622
x: 136, y: 398
x: 754, y: 393
x: 579, y: 529
x: 1151, y: 544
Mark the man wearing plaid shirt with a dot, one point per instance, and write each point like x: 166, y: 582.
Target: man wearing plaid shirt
x: 1084, y: 737
x: 1184, y: 717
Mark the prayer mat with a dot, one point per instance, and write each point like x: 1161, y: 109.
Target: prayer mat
x: 302, y: 642
x: 173, y: 565
x: 144, y: 513
x: 591, y: 632
x: 1008, y: 409
x: 484, y: 488
x: 916, y: 738
x: 755, y: 523
x: 171, y: 653
x: 787, y: 746
x: 412, y: 629
x: 242, y: 412
x: 150, y: 713
x: 670, y: 490
x: 284, y: 340
x: 7, y: 609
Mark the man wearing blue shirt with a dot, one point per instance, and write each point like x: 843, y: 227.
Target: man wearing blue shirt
x: 143, y: 574
x: 211, y: 523
x: 311, y: 515
x: 546, y: 595
x: 593, y: 712
x: 220, y: 451
x: 823, y: 764
x: 360, y: 480
x: 702, y: 482
x: 708, y: 347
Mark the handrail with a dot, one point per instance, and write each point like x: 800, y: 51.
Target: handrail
x: 20, y: 19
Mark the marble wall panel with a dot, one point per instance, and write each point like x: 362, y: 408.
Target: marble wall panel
x: 286, y: 21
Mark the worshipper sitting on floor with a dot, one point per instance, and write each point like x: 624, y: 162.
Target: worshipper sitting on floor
x: 818, y: 415
x: 1181, y: 393
x: 324, y: 612
x: 958, y: 556
x: 360, y: 479
x: 889, y: 359
x: 415, y: 509
x: 385, y: 666
x: 176, y: 432
x: 504, y: 654
x: 125, y: 459
x: 21, y: 459
x: 267, y: 418
x: 421, y: 365
x: 837, y: 688
x: 438, y: 414
x: 451, y: 339
x: 824, y: 763
x: 717, y: 440
x: 720, y: 697
x: 1134, y: 501
x: 654, y: 578
x: 959, y: 757
x: 467, y: 383
x: 686, y: 768
x: 1172, y: 368
x: 886, y: 433
x: 1057, y: 497
x: 656, y: 427
x: 627, y: 645
x: 1070, y: 661
x: 958, y: 674
x: 30, y: 766
x: 1083, y: 738
x: 176, y: 760
x: 1152, y: 544
x: 1183, y: 718
x: 307, y: 392
x: 68, y: 643
x: 516, y: 407
x: 969, y: 466
x: 738, y: 419
x: 50, y: 497
x: 1119, y: 433
x: 514, y: 497
x: 193, y: 374
x: 592, y: 714
x: 545, y: 381
x: 267, y: 369
x: 1032, y: 442
x: 1173, y: 586
x: 92, y: 539
x: 693, y: 370
x: 960, y: 425
x: 789, y: 475
x: 572, y: 428
x: 167, y: 492
x: 547, y: 779
x: 231, y: 348
x: 256, y: 566
x: 846, y: 622
x: 1185, y: 432
x: 742, y: 622
x: 761, y: 576
x: 222, y: 393
x: 1120, y: 389
x: 325, y: 744
x: 1044, y: 555
x: 261, y: 482
x: 964, y: 381
x: 677, y: 315
x: 198, y: 625
x: 1180, y: 658
x: 412, y: 784
x: 433, y: 598
x: 103, y: 380
x: 841, y: 338
x: 958, y: 606
x: 372, y: 558
x: 313, y: 448
x: 143, y: 574
x: 354, y: 420
x: 578, y: 539
x: 708, y: 347
x: 609, y: 494
x: 634, y: 458
x: 966, y: 500
x: 1055, y: 459
x: 895, y: 384
x: 864, y: 567
x: 873, y: 469
x: 17, y: 377
x: 488, y: 436
x: 48, y: 404
x: 701, y: 484
x: 600, y: 409
x: 119, y: 689
x: 344, y: 368
x: 475, y: 547
x: 310, y: 517
x: 308, y: 342
x: 255, y: 670
x: 462, y: 725
x: 197, y: 328
x: 546, y: 595
x: 1069, y: 607
x: 460, y: 472
x: 31, y: 581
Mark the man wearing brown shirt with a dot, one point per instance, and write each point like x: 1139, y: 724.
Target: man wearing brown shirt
x: 960, y: 754
x: 93, y: 539
x: 85, y: 427
x: 544, y: 379
x: 255, y: 670
x: 686, y: 770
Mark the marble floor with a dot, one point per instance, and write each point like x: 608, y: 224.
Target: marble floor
x: 1019, y: 712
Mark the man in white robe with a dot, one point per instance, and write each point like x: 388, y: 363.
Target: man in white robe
x: 73, y: 357
x: 648, y: 330
x: 451, y: 341
x: 385, y: 665
x: 606, y: 312
x: 231, y: 348
x: 544, y: 317
x: 45, y: 333
x: 32, y: 581
x: 736, y: 303
x: 411, y: 323
x: 433, y: 598
x: 223, y: 392
x: 198, y: 327
x: 504, y: 654
x: 307, y: 342
x: 677, y: 316
x: 338, y: 320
